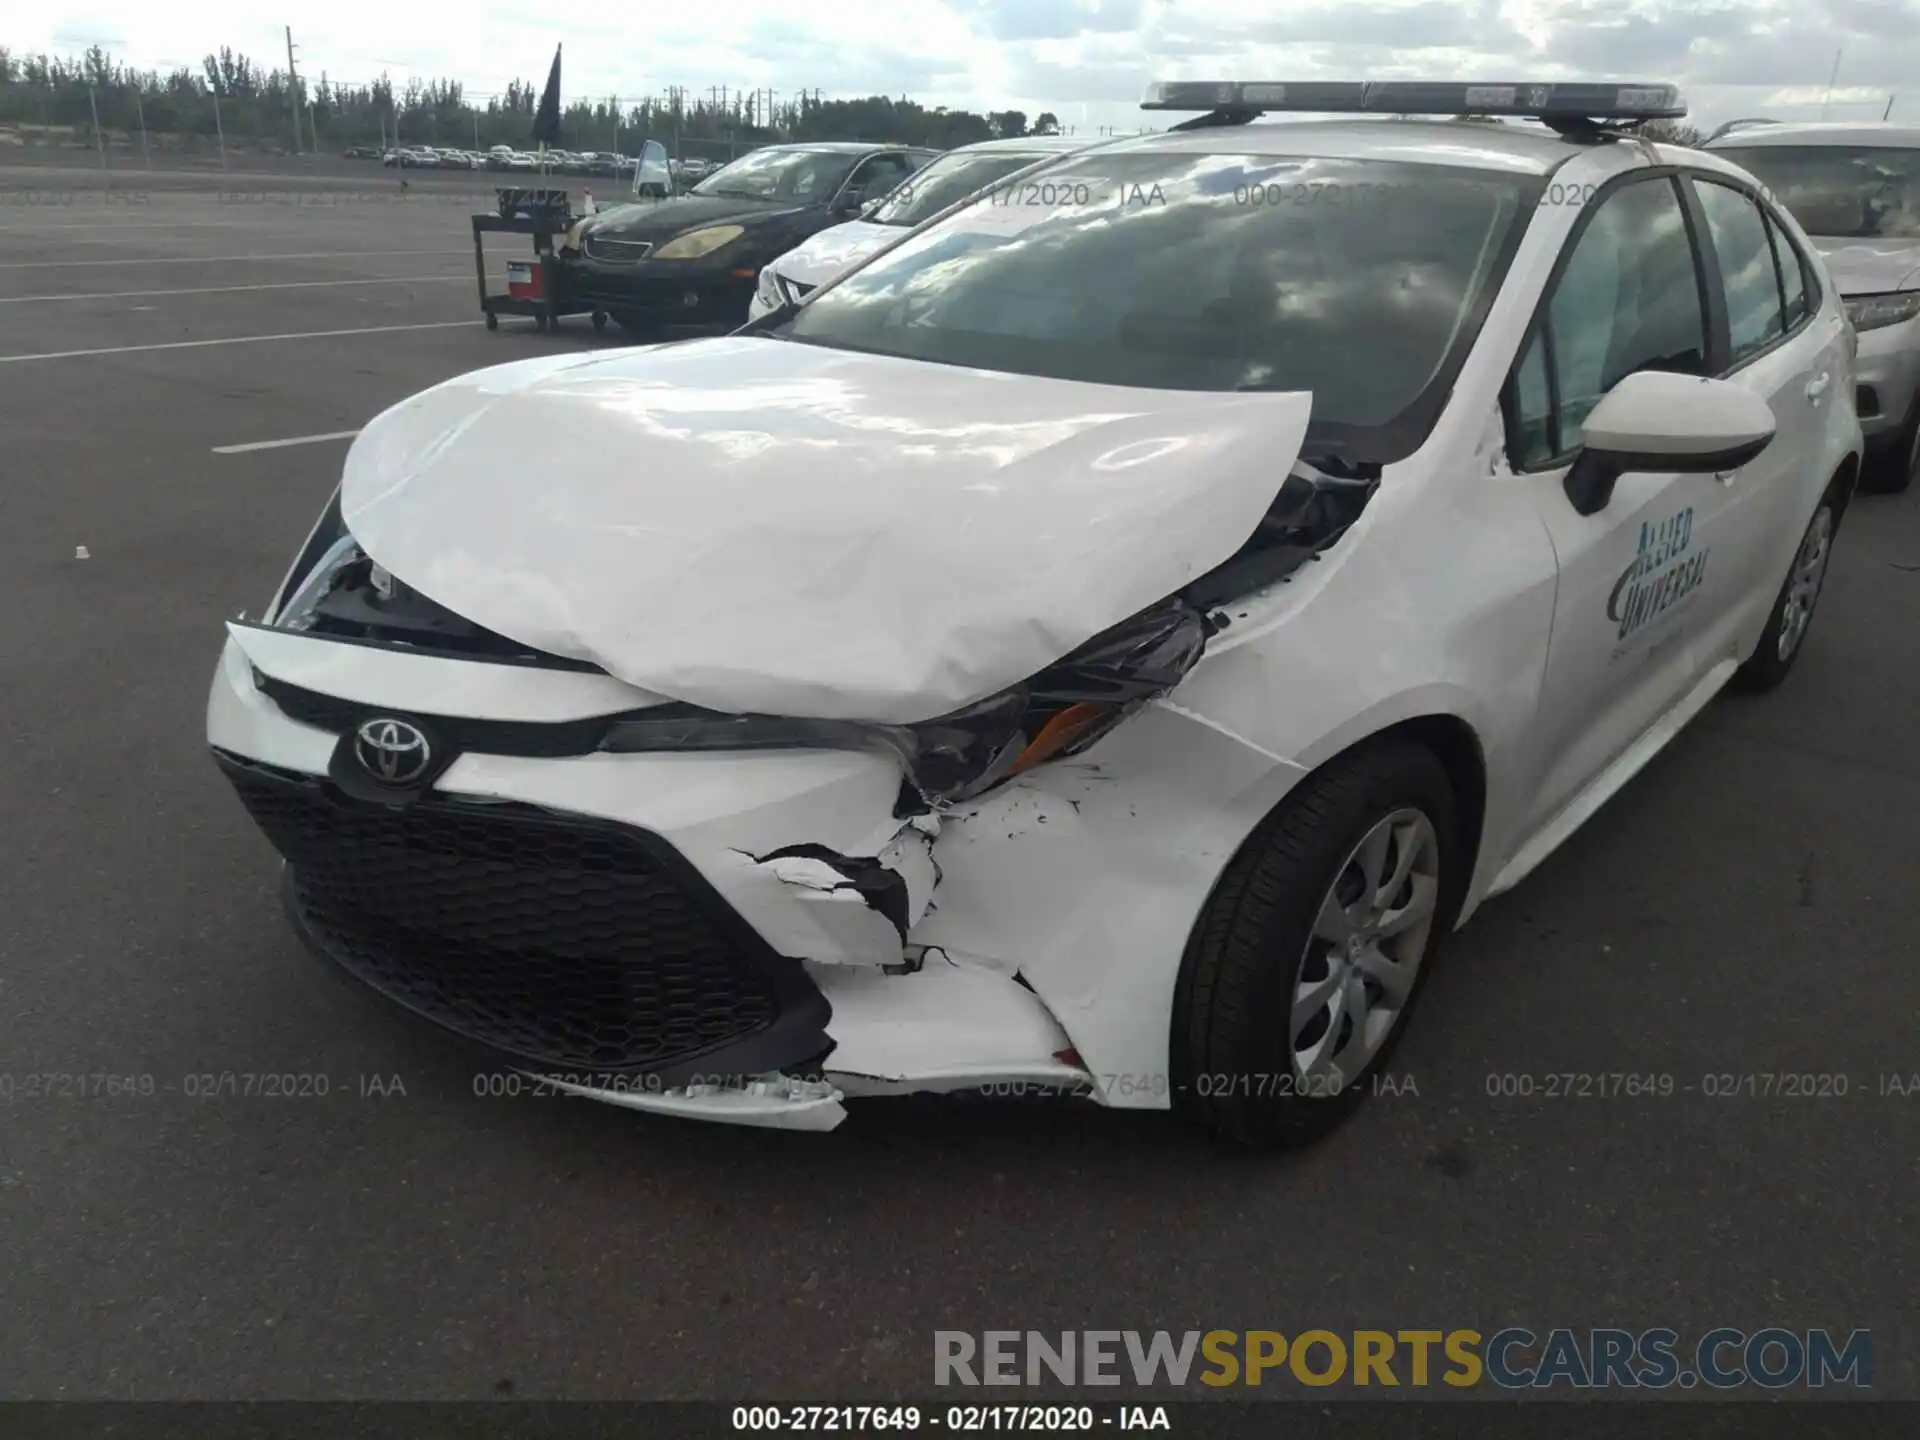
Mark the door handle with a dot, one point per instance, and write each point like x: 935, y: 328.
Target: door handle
x: 1817, y: 386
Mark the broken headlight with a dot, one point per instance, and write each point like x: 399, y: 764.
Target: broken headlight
x: 1060, y: 711
x: 1063, y: 709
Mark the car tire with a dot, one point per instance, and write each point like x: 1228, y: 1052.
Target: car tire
x: 1291, y: 926
x: 1785, y: 635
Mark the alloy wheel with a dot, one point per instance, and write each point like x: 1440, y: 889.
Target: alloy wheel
x: 1360, y: 963
x: 1804, y: 582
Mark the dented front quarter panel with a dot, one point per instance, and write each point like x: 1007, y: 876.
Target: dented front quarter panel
x: 1085, y: 876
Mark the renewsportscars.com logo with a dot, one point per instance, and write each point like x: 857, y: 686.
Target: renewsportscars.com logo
x: 1772, y: 1358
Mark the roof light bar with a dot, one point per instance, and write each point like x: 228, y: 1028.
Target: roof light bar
x: 1554, y: 101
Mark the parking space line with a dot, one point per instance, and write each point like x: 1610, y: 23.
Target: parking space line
x: 119, y: 224
x: 283, y: 444
x: 234, y: 340
x: 238, y: 289
x: 222, y: 259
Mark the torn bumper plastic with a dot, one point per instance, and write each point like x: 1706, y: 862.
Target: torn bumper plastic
x: 774, y: 1102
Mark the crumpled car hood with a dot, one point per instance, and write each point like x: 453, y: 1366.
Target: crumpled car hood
x: 1870, y: 267
x: 764, y: 526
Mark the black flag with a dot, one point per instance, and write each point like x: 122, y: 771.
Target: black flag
x: 546, y: 120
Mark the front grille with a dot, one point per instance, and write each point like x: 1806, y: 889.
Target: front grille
x: 620, y: 251
x: 563, y: 942
x: 548, y: 739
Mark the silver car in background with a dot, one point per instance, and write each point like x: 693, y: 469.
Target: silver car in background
x: 1855, y: 189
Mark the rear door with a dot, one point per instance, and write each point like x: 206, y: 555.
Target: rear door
x: 1653, y: 583
x: 1811, y: 373
x: 1770, y: 351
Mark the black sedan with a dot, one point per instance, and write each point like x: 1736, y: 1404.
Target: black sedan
x: 694, y: 259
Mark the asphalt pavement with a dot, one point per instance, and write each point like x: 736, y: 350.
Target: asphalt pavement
x: 1748, y: 907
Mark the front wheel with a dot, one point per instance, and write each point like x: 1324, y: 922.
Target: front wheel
x: 1302, y: 972
x: 1792, y: 614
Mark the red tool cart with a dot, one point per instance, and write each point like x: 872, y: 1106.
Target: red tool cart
x: 531, y: 284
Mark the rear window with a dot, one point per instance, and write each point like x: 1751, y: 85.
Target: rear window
x: 1851, y: 191
x: 1362, y: 281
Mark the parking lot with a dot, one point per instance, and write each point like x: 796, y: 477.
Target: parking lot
x: 1747, y: 907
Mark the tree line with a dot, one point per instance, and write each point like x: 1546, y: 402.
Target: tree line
x: 255, y: 105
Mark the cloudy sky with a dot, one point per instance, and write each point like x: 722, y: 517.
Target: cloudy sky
x: 1086, y: 60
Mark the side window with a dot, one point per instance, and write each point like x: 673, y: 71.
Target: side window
x: 1793, y: 276
x: 1627, y: 299
x: 1533, y: 404
x: 877, y: 176
x: 1747, y: 270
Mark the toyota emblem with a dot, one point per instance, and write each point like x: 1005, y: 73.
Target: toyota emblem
x: 392, y: 751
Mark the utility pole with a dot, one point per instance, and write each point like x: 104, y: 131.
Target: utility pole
x: 141, y: 111
x: 1889, y: 110
x: 99, y: 143
x: 293, y: 91
x: 1830, y: 79
x: 219, y: 128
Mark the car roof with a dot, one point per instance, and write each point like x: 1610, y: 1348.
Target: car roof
x: 1023, y: 145
x: 1891, y: 133
x: 834, y: 147
x: 1516, y: 149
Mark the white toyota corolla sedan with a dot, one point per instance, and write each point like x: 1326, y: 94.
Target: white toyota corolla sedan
x: 1102, y: 644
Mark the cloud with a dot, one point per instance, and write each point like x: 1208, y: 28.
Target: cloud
x: 1734, y: 57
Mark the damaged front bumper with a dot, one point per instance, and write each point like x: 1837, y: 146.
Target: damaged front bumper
x: 756, y: 907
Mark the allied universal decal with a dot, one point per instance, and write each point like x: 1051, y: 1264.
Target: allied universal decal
x: 1664, y: 572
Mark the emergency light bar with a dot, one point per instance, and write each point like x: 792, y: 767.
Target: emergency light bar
x: 1549, y: 102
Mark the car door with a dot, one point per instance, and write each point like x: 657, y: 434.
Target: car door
x: 872, y: 178
x: 1800, y: 368
x: 1655, y: 583
x: 1769, y: 353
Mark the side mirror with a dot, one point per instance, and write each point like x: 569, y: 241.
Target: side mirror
x: 651, y: 173
x: 851, y: 202
x: 1657, y: 421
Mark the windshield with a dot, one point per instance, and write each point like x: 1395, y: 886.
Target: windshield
x: 946, y: 180
x: 806, y: 177
x: 1362, y: 281
x: 1843, y: 191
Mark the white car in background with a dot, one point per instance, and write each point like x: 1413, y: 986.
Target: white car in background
x: 1855, y: 189
x: 952, y: 177
x: 1102, y: 643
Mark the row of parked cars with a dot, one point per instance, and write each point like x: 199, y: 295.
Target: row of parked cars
x: 500, y: 157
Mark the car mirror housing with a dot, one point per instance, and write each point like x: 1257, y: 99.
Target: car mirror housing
x: 1653, y: 420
